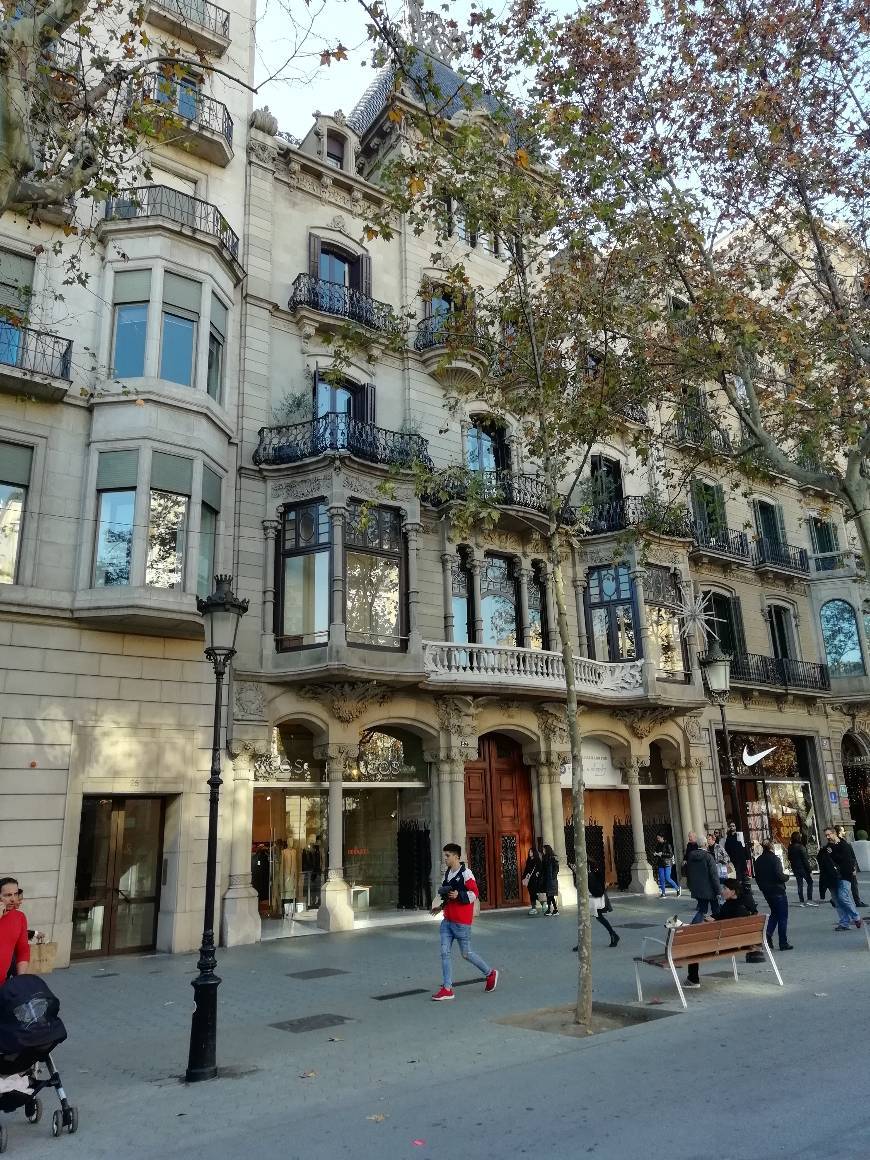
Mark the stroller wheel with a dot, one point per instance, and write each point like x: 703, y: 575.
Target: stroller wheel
x: 4, y: 1139
x: 33, y: 1111
x: 56, y: 1122
x: 73, y: 1120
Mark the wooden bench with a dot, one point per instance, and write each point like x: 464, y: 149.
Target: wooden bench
x: 703, y: 942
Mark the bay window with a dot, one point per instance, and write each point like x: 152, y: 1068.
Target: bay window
x: 180, y: 316
x: 499, y: 601
x: 663, y: 600
x: 131, y: 291
x: 610, y: 612
x: 16, y: 463
x: 208, y: 522
x: 373, y: 576
x: 216, y: 342
x: 116, y: 502
x: 539, y: 629
x: 303, y: 562
x: 171, y: 477
x: 461, y: 599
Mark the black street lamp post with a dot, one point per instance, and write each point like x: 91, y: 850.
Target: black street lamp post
x: 222, y: 611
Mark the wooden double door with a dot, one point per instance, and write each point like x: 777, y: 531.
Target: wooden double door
x: 498, y: 820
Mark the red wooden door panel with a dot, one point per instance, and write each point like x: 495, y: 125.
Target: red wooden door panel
x: 498, y: 817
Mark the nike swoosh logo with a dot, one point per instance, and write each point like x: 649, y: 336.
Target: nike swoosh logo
x: 751, y: 759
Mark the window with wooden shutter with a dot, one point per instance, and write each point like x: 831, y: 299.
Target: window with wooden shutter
x: 314, y: 255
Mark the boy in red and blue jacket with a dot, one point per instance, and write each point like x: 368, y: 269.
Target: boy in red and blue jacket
x: 458, y: 892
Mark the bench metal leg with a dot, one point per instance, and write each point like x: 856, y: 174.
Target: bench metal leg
x: 637, y: 980
x: 679, y: 988
x: 866, y: 927
x: 734, y: 967
x: 769, y: 953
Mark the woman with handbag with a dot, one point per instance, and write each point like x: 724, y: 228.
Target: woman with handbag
x: 598, y: 899
x: 532, y: 879
x: 549, y: 880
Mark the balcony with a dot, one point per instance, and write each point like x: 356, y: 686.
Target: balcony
x: 753, y: 669
x: 453, y: 350
x: 199, y: 22
x: 633, y: 412
x: 502, y: 488
x: 176, y: 209
x: 186, y: 117
x: 338, y: 301
x: 837, y: 565
x: 297, y: 442
x: 780, y: 559
x: 723, y: 544
x: 693, y: 428
x: 642, y: 513
x: 34, y: 363
x: 477, y: 667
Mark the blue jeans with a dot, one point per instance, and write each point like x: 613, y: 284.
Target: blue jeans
x: 847, y: 912
x: 461, y: 932
x: 778, y: 920
x: 666, y: 878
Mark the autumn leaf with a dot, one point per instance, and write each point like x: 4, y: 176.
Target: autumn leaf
x: 416, y: 185
x: 522, y: 158
x: 308, y: 1075
x: 477, y: 52
x: 370, y: 234
x: 340, y: 52
x: 326, y: 58
x: 395, y: 115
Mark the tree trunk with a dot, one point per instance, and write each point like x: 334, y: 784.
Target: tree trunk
x: 583, y: 1014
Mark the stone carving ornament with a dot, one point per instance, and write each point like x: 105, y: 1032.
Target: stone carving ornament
x: 349, y: 700
x: 641, y: 722
x: 250, y: 700
x: 298, y: 488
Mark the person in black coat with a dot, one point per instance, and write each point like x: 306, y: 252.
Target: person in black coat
x: 799, y: 860
x: 856, y: 897
x: 549, y: 880
x: 703, y: 882
x: 731, y: 907
x: 663, y: 859
x: 597, y: 898
x: 771, y: 879
x: 532, y: 879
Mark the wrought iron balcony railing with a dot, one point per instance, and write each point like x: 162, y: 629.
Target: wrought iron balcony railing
x: 200, y: 12
x: 335, y: 432
x: 186, y: 102
x: 693, y: 428
x: 754, y: 669
x: 161, y: 201
x: 634, y: 412
x: 722, y: 542
x: 773, y: 554
x: 503, y: 488
x: 342, y: 301
x: 642, y: 512
x: 460, y: 330
x: 35, y: 351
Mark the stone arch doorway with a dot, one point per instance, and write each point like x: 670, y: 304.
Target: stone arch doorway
x: 498, y: 820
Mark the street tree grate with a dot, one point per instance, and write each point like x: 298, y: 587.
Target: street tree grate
x: 317, y: 973
x: 311, y: 1023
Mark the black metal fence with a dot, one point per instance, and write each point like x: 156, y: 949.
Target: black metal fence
x: 499, y: 487
x: 343, y: 301
x: 724, y: 541
x: 337, y: 432
x: 182, y: 208
x: 779, y: 555
x: 641, y: 512
x: 443, y: 330
x: 35, y: 351
x: 188, y: 103
x: 200, y: 12
x: 694, y: 428
x: 754, y: 669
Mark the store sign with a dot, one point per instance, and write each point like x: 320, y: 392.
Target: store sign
x: 274, y: 767
x: 599, y: 772
x: 834, y: 797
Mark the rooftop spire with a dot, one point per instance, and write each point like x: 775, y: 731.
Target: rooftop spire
x: 430, y: 32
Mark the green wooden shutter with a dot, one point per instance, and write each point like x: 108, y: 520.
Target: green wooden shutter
x: 16, y: 280
x: 699, y: 505
x: 737, y: 626
x: 314, y: 255
x: 171, y: 473
x: 814, y: 538
x: 756, y: 515
x: 368, y: 403
x: 16, y: 463
x: 365, y: 275
x: 719, y: 508
x: 117, y: 470
x: 780, y: 523
x: 211, y: 488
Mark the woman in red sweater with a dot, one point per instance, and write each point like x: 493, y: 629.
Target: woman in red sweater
x: 13, y: 931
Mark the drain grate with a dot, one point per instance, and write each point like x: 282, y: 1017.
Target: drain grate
x: 107, y: 975
x: 311, y: 1023
x: 636, y: 925
x: 317, y: 973
x: 400, y: 994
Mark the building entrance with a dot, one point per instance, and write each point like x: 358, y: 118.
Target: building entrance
x: 117, y: 886
x: 498, y: 820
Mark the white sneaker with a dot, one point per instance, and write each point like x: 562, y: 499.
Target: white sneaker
x: 812, y: 903
x: 534, y: 910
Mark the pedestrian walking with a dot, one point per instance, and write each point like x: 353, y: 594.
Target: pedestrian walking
x: 718, y: 854
x: 828, y: 876
x: 856, y: 897
x: 691, y: 844
x: 732, y: 907
x: 704, y: 884
x: 597, y: 899
x: 14, y: 948
x: 736, y: 851
x: 771, y: 879
x: 663, y: 859
x: 458, y: 892
x: 550, y: 879
x: 843, y: 859
x: 532, y: 879
x: 799, y: 860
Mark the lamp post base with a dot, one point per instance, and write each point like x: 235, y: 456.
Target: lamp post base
x: 202, y: 1060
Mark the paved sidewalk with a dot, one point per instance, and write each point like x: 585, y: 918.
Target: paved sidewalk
x: 747, y: 1072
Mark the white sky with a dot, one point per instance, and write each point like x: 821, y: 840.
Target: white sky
x: 303, y: 84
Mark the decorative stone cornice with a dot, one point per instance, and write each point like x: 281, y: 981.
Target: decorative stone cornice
x: 641, y: 722
x: 349, y: 700
x: 250, y: 700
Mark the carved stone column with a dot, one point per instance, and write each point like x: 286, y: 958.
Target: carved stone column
x: 687, y: 822
x: 439, y: 789
x: 337, y: 629
x: 642, y: 878
x: 551, y: 787
x: 523, y: 582
x: 412, y: 537
x: 549, y: 595
x: 546, y: 798
x: 579, y: 583
x: 270, y: 531
x: 457, y: 802
x: 475, y: 565
x: 240, y: 917
x: 696, y: 796
x: 335, y: 911
x: 447, y: 593
x: 649, y: 647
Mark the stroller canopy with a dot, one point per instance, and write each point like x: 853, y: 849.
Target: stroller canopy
x: 29, y: 1016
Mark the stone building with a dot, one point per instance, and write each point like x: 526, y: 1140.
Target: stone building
x: 397, y: 685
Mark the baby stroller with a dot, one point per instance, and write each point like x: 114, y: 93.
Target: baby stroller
x: 30, y: 1029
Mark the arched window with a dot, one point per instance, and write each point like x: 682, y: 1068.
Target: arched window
x: 335, y: 150
x: 840, y: 634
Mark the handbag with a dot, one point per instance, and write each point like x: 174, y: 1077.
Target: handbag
x: 526, y: 879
